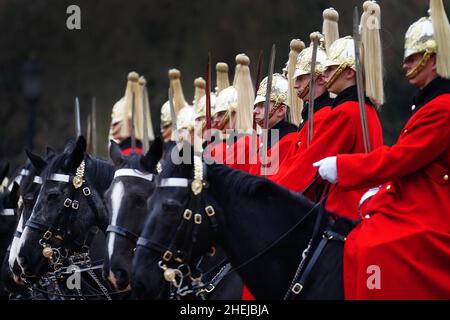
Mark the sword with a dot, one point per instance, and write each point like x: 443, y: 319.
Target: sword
x: 77, y: 118
x: 312, y: 84
x: 173, y: 115
x: 359, y: 81
x: 133, y: 135
x: 145, y: 137
x: 208, y: 93
x: 267, y: 108
x: 94, y: 125
x: 88, y: 135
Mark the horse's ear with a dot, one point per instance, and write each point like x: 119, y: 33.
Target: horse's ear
x: 115, y: 153
x: 14, y: 195
x: 77, y: 155
x: 37, y: 162
x: 153, y: 155
x: 50, y: 152
x: 4, y: 172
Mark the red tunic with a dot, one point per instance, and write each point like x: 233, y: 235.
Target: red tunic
x: 277, y: 150
x: 406, y: 232
x: 342, y: 133
x: 297, y: 142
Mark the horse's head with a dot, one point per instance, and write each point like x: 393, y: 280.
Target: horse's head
x: 30, y: 183
x: 8, y: 210
x: 196, y: 206
x: 177, y: 231
x: 126, y: 200
x: 68, y: 206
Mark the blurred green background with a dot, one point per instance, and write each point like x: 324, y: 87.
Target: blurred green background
x: 151, y: 37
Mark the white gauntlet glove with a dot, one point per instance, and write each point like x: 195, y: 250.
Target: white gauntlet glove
x: 327, y: 169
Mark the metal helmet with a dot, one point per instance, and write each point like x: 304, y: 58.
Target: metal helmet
x: 279, y: 91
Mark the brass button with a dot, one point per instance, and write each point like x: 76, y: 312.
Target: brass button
x: 367, y: 216
x: 388, y: 187
x: 446, y: 177
x: 299, y: 143
x: 405, y: 131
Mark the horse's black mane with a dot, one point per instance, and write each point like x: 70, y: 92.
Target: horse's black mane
x: 99, y: 172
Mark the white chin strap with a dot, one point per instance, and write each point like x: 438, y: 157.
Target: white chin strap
x: 133, y: 173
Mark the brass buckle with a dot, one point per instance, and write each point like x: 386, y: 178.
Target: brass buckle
x: 187, y: 214
x: 47, y: 235
x: 198, y: 218
x: 75, y: 205
x: 297, y: 288
x: 86, y: 191
x: 67, y: 203
x: 167, y: 255
x: 210, y: 211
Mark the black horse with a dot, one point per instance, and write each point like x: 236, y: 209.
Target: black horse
x: 68, y: 206
x: 126, y: 200
x: 8, y: 220
x: 263, y: 228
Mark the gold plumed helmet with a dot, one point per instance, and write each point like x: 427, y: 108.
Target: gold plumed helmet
x: 200, y: 108
x: 341, y: 53
x: 178, y: 97
x: 279, y: 90
x: 430, y: 35
x: 185, y: 118
x: 199, y: 85
x: 226, y: 100
x: 121, y: 113
x: 419, y: 38
x: 222, y: 80
x: 294, y: 102
x: 303, y: 65
x: 165, y: 114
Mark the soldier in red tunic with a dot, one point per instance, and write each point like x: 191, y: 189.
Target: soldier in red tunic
x: 120, y: 129
x: 341, y: 130
x: 276, y: 148
x: 401, y: 249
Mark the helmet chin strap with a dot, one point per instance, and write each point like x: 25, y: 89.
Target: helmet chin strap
x: 420, y: 66
x: 336, y: 75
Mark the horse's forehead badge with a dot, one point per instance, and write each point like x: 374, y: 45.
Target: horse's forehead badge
x: 78, y: 179
x: 196, y: 186
x: 77, y: 182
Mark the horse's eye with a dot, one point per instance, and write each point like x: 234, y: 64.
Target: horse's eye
x: 171, y: 205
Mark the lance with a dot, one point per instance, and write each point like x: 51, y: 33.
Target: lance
x: 77, y: 118
x: 173, y: 115
x: 312, y: 86
x: 267, y: 108
x: 360, y: 81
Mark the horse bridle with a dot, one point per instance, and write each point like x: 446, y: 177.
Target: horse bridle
x: 122, y: 231
x: 192, y: 219
x: 61, y: 231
